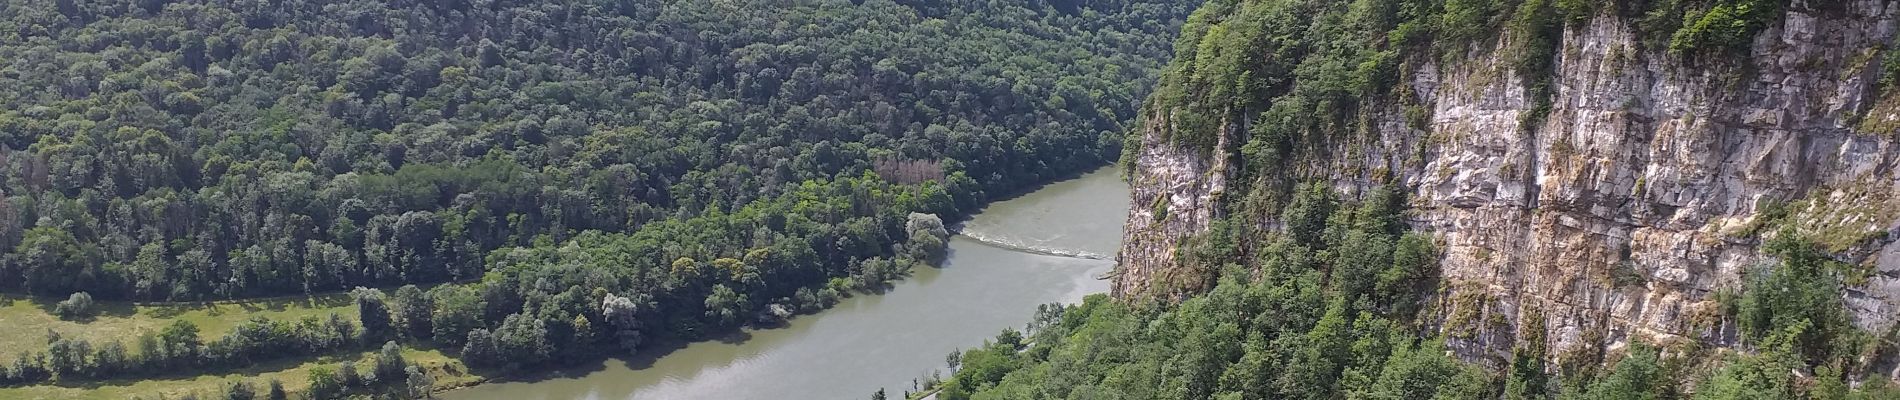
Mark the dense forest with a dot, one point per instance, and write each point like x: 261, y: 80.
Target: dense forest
x: 1340, y: 306
x: 1336, y: 299
x: 594, y: 172
x: 194, y: 150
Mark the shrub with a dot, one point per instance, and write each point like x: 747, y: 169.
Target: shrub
x: 1727, y: 26
x: 1802, y: 290
x: 79, y: 305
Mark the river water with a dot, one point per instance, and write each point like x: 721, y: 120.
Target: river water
x: 1046, y: 246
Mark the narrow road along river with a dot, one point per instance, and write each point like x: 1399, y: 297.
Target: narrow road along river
x: 1045, y: 246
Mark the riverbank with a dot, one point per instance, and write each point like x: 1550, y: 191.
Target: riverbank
x: 886, y: 340
x: 848, y: 351
x: 24, y: 322
x: 980, y: 280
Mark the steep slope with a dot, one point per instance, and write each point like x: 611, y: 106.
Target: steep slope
x: 1598, y: 164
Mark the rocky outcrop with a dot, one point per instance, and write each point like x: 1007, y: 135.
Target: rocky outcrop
x: 1636, y: 199
x: 1176, y: 192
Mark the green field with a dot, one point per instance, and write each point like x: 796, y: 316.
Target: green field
x: 24, y: 323
x: 449, y: 373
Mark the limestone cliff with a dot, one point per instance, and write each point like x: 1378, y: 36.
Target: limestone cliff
x: 1620, y: 213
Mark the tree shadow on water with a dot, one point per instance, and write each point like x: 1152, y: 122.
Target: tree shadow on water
x: 737, y: 337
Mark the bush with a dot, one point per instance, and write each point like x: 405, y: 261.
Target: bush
x: 1728, y: 26
x: 928, y: 223
x: 79, y: 305
x: 1802, y: 290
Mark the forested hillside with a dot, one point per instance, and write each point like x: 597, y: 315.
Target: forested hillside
x: 191, y: 150
x: 1518, y: 199
x: 590, y: 172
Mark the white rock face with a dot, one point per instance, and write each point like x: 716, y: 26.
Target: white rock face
x: 1631, y: 204
x: 1180, y: 185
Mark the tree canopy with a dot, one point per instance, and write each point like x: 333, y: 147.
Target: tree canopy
x: 217, y: 149
x: 580, y: 174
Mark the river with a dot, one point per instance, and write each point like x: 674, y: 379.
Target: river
x: 1045, y: 246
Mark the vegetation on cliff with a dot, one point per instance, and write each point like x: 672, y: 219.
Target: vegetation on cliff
x: 1322, y: 314
x: 1333, y: 310
x: 1282, y: 83
x: 1285, y: 78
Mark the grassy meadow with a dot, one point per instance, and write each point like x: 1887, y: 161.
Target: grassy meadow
x: 25, y: 321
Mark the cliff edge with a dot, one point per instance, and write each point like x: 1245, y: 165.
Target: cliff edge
x: 1615, y: 193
